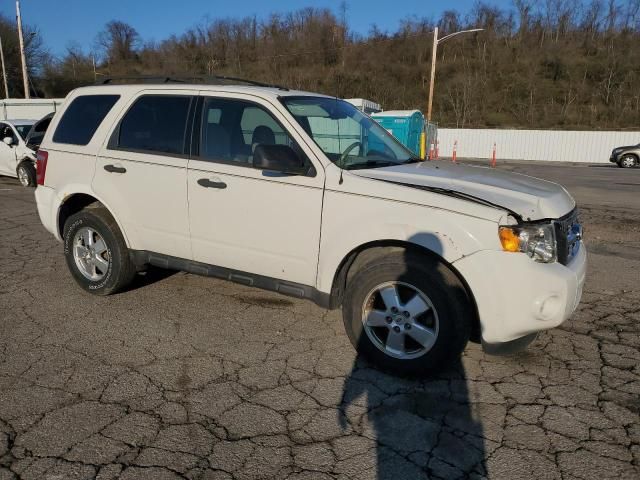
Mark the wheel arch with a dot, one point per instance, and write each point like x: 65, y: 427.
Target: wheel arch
x: 24, y: 159
x: 368, y: 251
x: 73, y: 203
x: 630, y: 154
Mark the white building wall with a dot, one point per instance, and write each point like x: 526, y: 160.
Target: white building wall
x: 551, y: 145
x: 31, y: 109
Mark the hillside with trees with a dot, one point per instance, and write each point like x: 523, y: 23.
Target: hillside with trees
x: 562, y: 64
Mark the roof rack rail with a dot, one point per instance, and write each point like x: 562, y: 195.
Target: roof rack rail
x: 204, y: 79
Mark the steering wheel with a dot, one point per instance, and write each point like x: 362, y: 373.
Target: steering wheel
x: 343, y: 157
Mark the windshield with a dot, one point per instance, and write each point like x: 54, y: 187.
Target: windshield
x: 23, y: 130
x: 348, y: 137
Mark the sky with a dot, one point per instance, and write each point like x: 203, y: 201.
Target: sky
x: 63, y: 22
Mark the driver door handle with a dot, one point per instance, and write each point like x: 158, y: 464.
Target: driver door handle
x: 211, y: 183
x: 115, y: 169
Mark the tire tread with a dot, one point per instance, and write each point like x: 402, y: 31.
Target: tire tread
x: 127, y: 269
x: 424, y: 269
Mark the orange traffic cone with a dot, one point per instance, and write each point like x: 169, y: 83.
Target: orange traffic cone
x: 493, y: 155
x: 455, y: 155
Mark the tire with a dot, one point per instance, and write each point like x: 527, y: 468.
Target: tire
x: 627, y: 161
x: 26, y: 173
x: 109, y: 259
x: 448, y: 316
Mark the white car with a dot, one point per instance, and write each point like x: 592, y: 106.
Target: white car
x: 16, y: 159
x: 304, y: 195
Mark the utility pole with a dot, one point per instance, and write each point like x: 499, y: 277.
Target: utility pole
x: 436, y: 42
x: 4, y: 71
x: 25, y: 79
x: 434, y: 52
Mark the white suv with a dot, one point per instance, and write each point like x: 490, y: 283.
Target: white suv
x: 304, y: 195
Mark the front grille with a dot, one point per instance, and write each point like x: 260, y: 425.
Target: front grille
x: 568, y: 236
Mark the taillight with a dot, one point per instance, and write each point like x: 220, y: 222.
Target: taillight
x: 41, y: 166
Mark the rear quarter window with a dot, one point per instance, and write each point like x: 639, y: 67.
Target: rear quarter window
x: 82, y: 118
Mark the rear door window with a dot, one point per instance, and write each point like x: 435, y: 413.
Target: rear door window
x: 156, y: 123
x: 82, y: 118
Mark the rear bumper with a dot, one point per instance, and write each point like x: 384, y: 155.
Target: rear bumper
x: 517, y: 297
x: 47, y: 204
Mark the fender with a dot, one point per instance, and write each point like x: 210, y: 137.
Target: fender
x: 351, y: 221
x: 80, y: 189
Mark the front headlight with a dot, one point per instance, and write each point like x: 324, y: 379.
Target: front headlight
x: 537, y: 241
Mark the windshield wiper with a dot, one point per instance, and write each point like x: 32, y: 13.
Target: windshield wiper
x: 369, y: 164
x: 378, y: 164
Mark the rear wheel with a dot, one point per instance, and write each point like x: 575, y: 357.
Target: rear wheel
x: 407, y: 313
x: 627, y: 161
x: 26, y: 173
x: 96, y: 252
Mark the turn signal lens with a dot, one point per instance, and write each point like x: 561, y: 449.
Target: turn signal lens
x: 509, y: 239
x: 538, y: 241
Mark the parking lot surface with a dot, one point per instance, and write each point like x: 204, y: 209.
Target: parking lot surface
x: 190, y: 377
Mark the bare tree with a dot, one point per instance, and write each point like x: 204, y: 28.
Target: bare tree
x: 36, y: 54
x: 118, y: 42
x: 541, y: 64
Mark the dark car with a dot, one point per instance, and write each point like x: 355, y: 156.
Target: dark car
x: 626, y: 157
x: 36, y: 134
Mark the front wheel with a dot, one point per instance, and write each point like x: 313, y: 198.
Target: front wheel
x: 627, y: 161
x: 96, y: 252
x: 407, y: 313
x: 26, y: 173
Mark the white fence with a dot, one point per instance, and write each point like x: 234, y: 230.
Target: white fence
x: 32, y: 109
x: 552, y: 145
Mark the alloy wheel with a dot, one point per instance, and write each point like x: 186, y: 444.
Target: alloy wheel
x: 23, y: 176
x: 400, y: 320
x: 91, y: 254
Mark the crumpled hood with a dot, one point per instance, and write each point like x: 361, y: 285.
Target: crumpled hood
x: 529, y: 197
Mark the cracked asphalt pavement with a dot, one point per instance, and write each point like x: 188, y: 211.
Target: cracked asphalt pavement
x: 191, y: 377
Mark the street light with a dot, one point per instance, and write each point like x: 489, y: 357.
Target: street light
x: 436, y: 42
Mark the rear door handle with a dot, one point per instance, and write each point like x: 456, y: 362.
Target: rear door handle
x: 115, y: 169
x: 208, y: 183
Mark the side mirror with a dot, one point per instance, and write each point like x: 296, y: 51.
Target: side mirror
x: 278, y: 158
x: 8, y: 140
